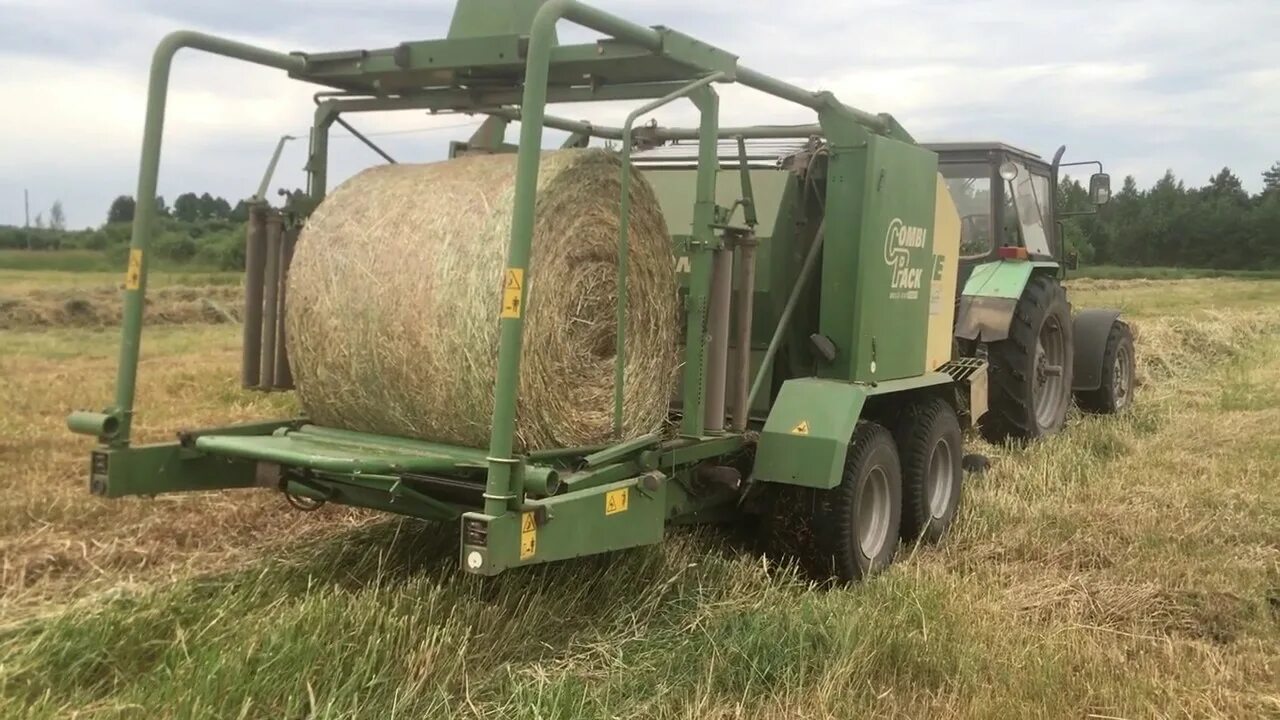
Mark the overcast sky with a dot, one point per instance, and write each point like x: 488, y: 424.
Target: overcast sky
x: 1143, y: 85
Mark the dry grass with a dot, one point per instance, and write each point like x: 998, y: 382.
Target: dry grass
x: 101, y: 307
x: 18, y: 282
x: 55, y: 541
x: 398, y: 280
x: 1129, y: 567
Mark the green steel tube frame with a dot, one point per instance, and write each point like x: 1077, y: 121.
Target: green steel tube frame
x: 501, y: 489
x: 624, y: 219
x: 500, y: 492
x: 134, y: 297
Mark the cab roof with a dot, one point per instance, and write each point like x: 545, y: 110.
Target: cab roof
x: 987, y: 146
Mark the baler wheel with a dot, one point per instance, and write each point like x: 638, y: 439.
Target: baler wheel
x: 1031, y: 370
x: 929, y: 442
x: 851, y: 530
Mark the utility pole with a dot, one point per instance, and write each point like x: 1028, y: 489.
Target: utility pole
x: 26, y: 209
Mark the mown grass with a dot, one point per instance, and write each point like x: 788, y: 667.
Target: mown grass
x: 88, y: 261
x: 1134, y: 272
x: 1129, y: 567
x: 15, y: 282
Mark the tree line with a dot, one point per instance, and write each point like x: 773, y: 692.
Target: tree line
x: 200, y: 229
x: 1218, y: 225
x: 188, y: 207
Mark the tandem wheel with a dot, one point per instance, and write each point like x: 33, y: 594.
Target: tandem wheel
x: 930, y: 445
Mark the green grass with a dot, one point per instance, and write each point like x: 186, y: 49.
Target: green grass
x: 85, y: 261
x: 1124, y: 568
x: 16, y: 282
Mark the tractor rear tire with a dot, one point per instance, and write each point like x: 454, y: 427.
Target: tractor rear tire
x: 1030, y: 377
x: 1119, y: 375
x: 929, y: 443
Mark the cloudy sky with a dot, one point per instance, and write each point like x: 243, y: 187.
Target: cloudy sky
x: 1144, y: 85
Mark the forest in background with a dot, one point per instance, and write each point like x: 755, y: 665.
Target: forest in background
x: 1219, y: 225
x: 201, y: 231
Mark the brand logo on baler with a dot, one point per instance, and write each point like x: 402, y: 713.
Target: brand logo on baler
x: 902, y: 244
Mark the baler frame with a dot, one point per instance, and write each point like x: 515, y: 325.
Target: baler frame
x: 521, y: 492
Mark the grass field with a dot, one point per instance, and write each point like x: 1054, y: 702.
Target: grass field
x: 1134, y: 272
x: 1128, y: 568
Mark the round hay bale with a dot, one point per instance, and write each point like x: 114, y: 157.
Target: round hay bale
x: 396, y: 286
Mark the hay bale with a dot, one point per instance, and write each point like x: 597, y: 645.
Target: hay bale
x: 395, y: 290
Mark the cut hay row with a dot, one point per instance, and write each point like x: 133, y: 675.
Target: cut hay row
x: 1172, y: 346
x: 101, y: 307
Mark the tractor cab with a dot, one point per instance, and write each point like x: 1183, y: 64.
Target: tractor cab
x: 1006, y: 199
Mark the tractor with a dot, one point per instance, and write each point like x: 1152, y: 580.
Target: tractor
x: 852, y: 299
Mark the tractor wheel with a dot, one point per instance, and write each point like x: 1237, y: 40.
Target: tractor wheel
x: 929, y: 443
x: 1030, y: 376
x: 1118, y: 375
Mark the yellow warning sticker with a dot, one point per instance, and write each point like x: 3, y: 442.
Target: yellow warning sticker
x: 512, y: 284
x: 615, y: 501
x: 801, y: 428
x: 528, y: 536
x: 133, y: 276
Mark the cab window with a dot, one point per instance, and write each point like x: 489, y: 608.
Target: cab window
x: 970, y: 188
x: 1025, y: 213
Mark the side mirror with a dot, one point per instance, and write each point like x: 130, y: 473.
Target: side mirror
x: 1100, y: 188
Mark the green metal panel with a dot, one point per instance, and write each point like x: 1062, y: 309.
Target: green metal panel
x: 446, y: 63
x: 697, y: 54
x: 1002, y: 278
x: 592, y: 521
x: 426, y: 55
x: 163, y: 468
x: 807, y: 434
x: 929, y: 379
x: 775, y: 198
x: 806, y: 438
x: 481, y: 18
x: 297, y: 449
x: 674, y: 187
x: 876, y: 263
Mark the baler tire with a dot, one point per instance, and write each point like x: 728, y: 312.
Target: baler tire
x: 1119, y: 375
x: 1012, y: 413
x: 931, y: 483
x: 840, y: 515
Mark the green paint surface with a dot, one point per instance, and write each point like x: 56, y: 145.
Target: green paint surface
x: 1002, y: 278
x: 805, y: 439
